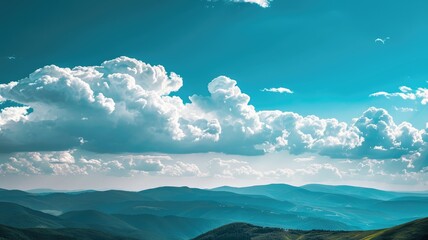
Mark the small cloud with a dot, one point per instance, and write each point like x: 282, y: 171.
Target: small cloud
x: 405, y: 109
x: 304, y: 159
x: 405, y: 89
x: 261, y: 3
x: 82, y: 140
x: 379, y: 148
x: 381, y: 40
x: 277, y: 90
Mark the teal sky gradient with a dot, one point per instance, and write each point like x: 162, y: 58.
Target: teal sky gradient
x: 324, y: 51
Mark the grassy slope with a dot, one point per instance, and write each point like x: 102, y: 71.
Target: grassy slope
x: 10, y: 233
x: 415, y: 230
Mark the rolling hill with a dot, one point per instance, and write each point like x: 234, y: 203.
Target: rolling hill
x: 142, y: 226
x: 183, y: 212
x: 361, y: 192
x: 10, y: 233
x: 415, y: 230
x: 12, y: 214
x: 347, y: 204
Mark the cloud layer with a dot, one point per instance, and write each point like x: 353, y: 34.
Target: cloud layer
x: 72, y: 162
x: 222, y: 170
x: 126, y: 105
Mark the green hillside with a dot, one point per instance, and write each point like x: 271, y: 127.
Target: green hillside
x: 415, y: 230
x: 10, y: 233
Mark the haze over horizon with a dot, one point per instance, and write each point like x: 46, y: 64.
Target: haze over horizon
x: 208, y: 93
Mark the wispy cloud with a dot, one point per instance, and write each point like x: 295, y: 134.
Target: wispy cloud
x: 381, y: 40
x: 304, y: 159
x: 277, y: 90
x: 261, y: 3
x: 406, y: 93
x: 405, y: 109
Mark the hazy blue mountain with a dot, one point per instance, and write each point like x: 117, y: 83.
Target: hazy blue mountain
x: 300, y: 196
x: 135, y: 226
x: 64, y: 202
x: 195, y: 194
x: 353, y: 210
x: 48, y: 191
x: 227, y: 213
x: 12, y: 193
x: 14, y: 215
x: 274, y: 205
x: 361, y: 192
x: 109, y: 201
x: 95, y: 220
x: 411, y: 198
x: 405, y: 208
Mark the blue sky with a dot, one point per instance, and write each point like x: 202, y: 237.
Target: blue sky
x: 359, y: 67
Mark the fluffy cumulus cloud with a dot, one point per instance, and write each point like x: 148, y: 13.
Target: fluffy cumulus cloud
x: 122, y: 105
x: 126, y: 105
x: 13, y: 114
x: 33, y: 163
x: 385, y: 139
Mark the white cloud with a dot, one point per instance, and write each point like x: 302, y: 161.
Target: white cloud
x: 280, y: 173
x: 261, y: 3
x: 373, y: 166
x: 182, y: 169
x: 316, y: 168
x: 406, y: 93
x: 405, y: 89
x: 308, y: 134
x: 277, y: 90
x: 379, y: 131
x: 407, y: 170
x: 304, y: 159
x: 231, y: 169
x: 422, y: 94
x: 54, y: 163
x: 146, y: 164
x: 74, y: 163
x: 13, y: 114
x: 124, y: 105
x: 405, y: 109
x: 381, y: 40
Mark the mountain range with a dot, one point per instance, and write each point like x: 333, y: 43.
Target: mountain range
x: 184, y: 213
